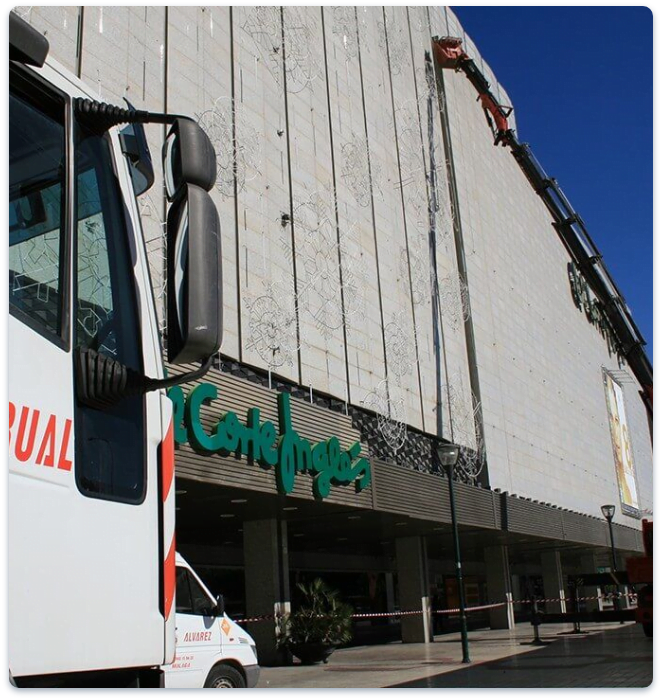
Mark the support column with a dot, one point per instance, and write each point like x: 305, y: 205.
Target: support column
x: 414, y: 588
x: 267, y: 576
x: 390, y: 592
x: 552, y: 581
x: 517, y: 593
x: 499, y: 590
x: 390, y: 596
x: 622, y: 590
x: 593, y: 593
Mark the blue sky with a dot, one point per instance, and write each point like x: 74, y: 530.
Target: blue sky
x: 581, y: 80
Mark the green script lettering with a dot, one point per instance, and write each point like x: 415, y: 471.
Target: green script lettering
x: 287, y: 451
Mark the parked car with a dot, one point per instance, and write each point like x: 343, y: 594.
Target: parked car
x: 212, y: 651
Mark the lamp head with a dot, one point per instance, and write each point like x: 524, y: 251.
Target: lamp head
x: 608, y: 511
x: 448, y: 454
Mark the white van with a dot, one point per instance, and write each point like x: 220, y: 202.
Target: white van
x: 211, y: 651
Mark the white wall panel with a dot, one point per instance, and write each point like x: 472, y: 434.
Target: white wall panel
x: 321, y: 301
x: 268, y: 304
x: 403, y: 399
x: 354, y: 187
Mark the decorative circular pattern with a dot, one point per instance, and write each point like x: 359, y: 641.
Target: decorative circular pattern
x: 242, y: 165
x: 344, y: 27
x: 390, y: 415
x: 272, y: 327
x: 400, y: 347
x: 359, y: 175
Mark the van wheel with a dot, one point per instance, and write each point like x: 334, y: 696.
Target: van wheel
x: 223, y: 676
x: 648, y: 628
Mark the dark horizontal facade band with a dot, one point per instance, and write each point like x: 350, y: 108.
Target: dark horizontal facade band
x: 393, y: 489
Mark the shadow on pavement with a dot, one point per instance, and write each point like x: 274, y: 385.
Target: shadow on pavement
x: 613, y: 658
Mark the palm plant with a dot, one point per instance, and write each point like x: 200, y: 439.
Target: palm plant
x: 320, y: 624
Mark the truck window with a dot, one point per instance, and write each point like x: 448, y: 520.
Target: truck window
x: 110, y: 445
x: 105, y: 293
x: 37, y: 191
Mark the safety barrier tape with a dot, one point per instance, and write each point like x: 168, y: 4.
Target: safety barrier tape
x: 259, y: 618
x: 405, y: 613
x: 606, y: 596
x: 400, y: 613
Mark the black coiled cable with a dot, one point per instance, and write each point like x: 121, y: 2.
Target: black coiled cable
x: 101, y: 116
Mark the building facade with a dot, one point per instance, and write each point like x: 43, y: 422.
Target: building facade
x: 391, y: 281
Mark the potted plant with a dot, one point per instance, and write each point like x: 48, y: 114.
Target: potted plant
x: 319, y: 624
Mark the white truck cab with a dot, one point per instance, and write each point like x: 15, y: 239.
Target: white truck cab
x: 91, y: 476
x: 211, y: 650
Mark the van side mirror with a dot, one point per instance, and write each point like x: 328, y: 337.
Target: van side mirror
x: 195, y: 302
x: 219, y: 608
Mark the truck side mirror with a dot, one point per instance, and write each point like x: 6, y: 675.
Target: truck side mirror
x: 26, y: 44
x: 188, y: 157
x: 195, y: 303
x: 194, y: 295
x: 219, y: 608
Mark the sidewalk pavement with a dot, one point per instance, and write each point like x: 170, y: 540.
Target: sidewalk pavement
x: 428, y: 665
x: 621, y: 657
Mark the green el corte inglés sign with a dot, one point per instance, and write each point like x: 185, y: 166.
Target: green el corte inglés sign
x: 285, y: 450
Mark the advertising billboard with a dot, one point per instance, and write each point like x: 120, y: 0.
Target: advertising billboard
x: 622, y: 446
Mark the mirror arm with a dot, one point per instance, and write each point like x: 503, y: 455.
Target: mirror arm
x: 154, y: 384
x: 102, y: 382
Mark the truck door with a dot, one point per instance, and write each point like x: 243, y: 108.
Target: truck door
x: 83, y: 496
x: 41, y: 404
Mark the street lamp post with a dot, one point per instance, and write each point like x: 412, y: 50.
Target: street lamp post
x: 608, y: 511
x: 448, y: 455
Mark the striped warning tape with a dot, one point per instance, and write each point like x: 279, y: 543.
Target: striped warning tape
x: 606, y: 596
x: 258, y: 618
x: 444, y: 611
x: 398, y: 613
x: 435, y: 612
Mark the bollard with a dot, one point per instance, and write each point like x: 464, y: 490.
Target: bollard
x: 576, y: 625
x: 536, y: 620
